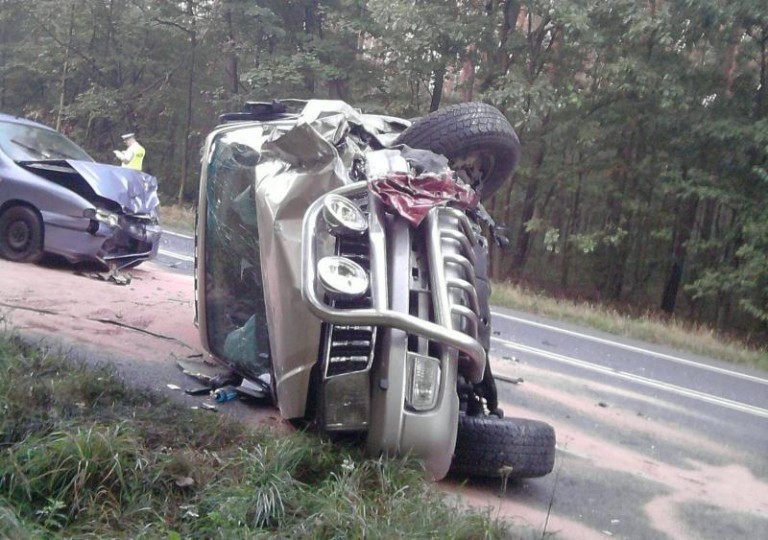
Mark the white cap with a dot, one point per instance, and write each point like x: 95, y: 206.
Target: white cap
x: 128, y: 136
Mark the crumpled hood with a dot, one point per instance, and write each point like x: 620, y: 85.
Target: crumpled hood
x: 134, y: 191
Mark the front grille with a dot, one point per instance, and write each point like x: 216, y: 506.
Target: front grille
x: 350, y: 348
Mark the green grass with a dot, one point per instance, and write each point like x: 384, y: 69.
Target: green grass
x: 696, y: 339
x: 84, y: 456
x: 177, y: 218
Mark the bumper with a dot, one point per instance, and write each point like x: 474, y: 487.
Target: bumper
x: 132, y: 241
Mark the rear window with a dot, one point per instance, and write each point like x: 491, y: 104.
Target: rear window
x: 22, y: 142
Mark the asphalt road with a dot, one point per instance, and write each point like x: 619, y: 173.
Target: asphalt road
x: 652, y: 443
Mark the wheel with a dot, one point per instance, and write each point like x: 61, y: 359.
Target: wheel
x: 477, y: 140
x: 510, y: 447
x: 21, y: 235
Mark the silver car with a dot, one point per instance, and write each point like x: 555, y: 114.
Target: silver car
x: 54, y: 198
x: 342, y: 269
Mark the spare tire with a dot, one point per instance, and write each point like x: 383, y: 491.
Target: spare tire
x: 508, y: 447
x: 477, y: 140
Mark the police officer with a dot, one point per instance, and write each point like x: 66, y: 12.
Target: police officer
x: 133, y: 155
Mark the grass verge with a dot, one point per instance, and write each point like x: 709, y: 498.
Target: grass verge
x: 177, y: 218
x: 696, y: 339
x: 84, y: 456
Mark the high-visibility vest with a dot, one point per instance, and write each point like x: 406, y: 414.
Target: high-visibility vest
x: 136, y: 153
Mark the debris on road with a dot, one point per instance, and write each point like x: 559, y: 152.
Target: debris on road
x: 197, y: 391
x: 115, y: 276
x: 226, y: 393
x: 185, y: 481
x: 511, y: 380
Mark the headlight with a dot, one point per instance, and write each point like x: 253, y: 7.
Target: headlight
x: 343, y: 217
x: 102, y: 216
x: 342, y: 277
x: 423, y: 381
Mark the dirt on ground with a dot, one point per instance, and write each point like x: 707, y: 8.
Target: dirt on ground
x: 143, y: 328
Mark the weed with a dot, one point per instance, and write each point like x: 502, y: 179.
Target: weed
x: 178, y: 218
x: 699, y: 340
x: 86, y: 456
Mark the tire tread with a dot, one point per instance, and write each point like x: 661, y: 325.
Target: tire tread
x: 464, y: 127
x: 486, y: 445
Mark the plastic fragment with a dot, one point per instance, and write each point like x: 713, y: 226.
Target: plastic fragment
x: 227, y: 393
x: 185, y: 481
x: 197, y: 391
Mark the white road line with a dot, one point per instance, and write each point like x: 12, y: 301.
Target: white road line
x: 178, y: 235
x: 679, y: 390
x: 632, y: 348
x: 176, y: 255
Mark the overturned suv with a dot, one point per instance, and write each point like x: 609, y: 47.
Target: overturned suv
x: 341, y: 262
x: 54, y: 198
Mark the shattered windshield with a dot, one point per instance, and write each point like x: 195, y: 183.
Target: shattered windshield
x: 23, y: 142
x: 235, y: 310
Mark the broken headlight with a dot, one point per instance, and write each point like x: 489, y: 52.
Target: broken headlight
x: 102, y: 216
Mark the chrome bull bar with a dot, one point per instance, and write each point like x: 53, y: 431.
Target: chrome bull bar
x: 379, y: 314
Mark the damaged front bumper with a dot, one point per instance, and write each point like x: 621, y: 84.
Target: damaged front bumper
x: 134, y: 240
x: 125, y: 243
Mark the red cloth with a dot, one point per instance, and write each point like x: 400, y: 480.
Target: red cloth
x: 414, y: 196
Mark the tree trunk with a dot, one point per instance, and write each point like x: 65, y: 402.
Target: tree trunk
x: 570, y: 226
x: 760, y: 102
x: 729, y: 59
x: 686, y: 217
x: 467, y: 80
x: 502, y: 59
x: 65, y: 68
x: 312, y: 26
x: 613, y: 255
x: 437, y: 90
x: 189, y: 111
x: 232, y: 71
x: 523, y: 244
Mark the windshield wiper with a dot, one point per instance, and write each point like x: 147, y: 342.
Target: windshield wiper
x: 29, y: 148
x: 54, y: 152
